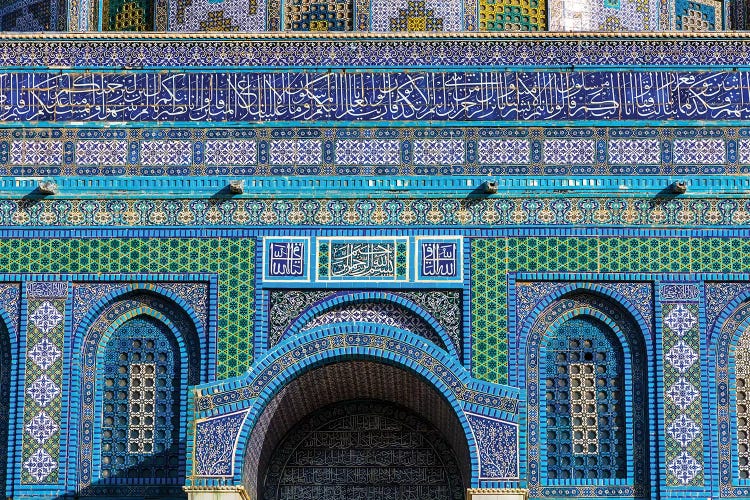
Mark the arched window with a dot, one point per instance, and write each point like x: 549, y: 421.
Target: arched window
x: 319, y: 15
x: 584, y: 401
x: 141, y: 383
x: 742, y: 403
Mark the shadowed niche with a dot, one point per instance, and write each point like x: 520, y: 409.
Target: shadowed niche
x: 357, y: 429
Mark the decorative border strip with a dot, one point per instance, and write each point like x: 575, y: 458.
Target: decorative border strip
x: 375, y: 151
x: 480, y: 212
x: 468, y: 50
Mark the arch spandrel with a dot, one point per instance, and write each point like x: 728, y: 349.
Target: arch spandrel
x: 227, y: 413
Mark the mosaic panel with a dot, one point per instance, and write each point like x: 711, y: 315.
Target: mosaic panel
x: 226, y: 15
x: 497, y: 442
x: 386, y: 151
x: 493, y: 258
x: 232, y: 260
x: 32, y: 15
x: 44, y: 371
x: 318, y: 15
x: 698, y: 15
x: 128, y: 15
x: 352, y: 96
x: 288, y: 305
x: 683, y: 419
x: 500, y: 15
x: 214, y: 444
x: 416, y: 15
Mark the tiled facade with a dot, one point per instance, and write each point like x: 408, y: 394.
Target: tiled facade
x: 497, y: 263
x: 372, y: 15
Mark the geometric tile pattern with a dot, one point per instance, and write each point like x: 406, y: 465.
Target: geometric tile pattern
x: 682, y: 402
x: 42, y: 427
x: 350, y: 151
x: 194, y: 15
x: 157, y: 153
x: 128, y: 15
x: 318, y: 15
x: 42, y: 408
x: 698, y: 15
x: 232, y: 260
x: 569, y: 151
x: 488, y: 309
x: 32, y: 15
x: 438, y: 152
x: 700, y: 152
x: 295, y: 152
x: 417, y: 15
x: 635, y: 151
x: 368, y: 152
x: 492, y: 258
x: 507, y: 15
x: 504, y: 152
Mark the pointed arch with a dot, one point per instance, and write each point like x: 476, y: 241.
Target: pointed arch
x: 556, y: 340
x: 8, y: 384
x: 730, y: 337
x: 114, y: 415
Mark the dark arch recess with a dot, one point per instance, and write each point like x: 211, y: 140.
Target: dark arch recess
x: 327, y: 386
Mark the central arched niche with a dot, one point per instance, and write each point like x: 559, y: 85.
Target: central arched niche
x: 336, y: 395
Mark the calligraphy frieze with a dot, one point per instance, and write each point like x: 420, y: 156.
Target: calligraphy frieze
x: 286, y: 259
x: 438, y: 259
x: 363, y: 259
x: 396, y: 96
